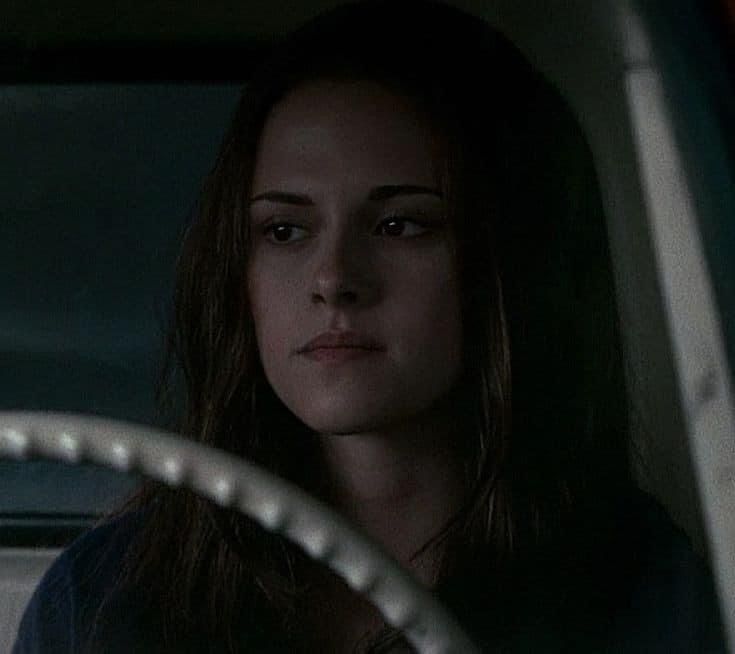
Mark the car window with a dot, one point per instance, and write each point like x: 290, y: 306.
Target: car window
x: 100, y: 184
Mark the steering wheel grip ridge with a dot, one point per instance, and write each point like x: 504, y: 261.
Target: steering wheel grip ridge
x: 277, y: 505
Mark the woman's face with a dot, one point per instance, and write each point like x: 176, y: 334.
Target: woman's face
x: 349, y: 242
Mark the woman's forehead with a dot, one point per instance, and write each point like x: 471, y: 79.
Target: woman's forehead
x: 346, y: 129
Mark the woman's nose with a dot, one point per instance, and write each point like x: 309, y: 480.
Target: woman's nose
x: 343, y: 274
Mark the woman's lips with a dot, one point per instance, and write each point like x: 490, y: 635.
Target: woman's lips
x: 339, y: 354
x: 339, y: 346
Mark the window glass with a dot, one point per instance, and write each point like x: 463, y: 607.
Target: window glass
x: 96, y: 184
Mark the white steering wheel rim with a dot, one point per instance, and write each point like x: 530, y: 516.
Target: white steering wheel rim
x: 277, y: 505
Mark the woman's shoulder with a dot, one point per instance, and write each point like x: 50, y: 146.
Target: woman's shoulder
x: 672, y: 604
x: 626, y: 580
x: 62, y: 609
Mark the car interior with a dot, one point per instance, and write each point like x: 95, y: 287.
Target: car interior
x: 112, y: 115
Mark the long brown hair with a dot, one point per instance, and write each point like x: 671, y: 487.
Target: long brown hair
x: 543, y: 395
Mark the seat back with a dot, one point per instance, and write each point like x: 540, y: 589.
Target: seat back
x: 20, y: 571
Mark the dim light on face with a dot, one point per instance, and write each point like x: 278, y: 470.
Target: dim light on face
x: 352, y: 276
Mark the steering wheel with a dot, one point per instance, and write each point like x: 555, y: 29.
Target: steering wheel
x: 276, y: 504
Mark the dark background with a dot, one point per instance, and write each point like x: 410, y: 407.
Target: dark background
x: 97, y: 182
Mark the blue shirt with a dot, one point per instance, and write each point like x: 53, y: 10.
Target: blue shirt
x: 671, y: 608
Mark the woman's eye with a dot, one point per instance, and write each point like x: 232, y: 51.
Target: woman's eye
x: 284, y: 233
x: 397, y: 226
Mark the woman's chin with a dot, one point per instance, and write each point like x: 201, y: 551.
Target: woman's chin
x: 344, y: 420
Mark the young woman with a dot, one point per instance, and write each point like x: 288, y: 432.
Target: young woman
x: 397, y: 294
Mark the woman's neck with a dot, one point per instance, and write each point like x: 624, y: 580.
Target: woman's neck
x: 401, y: 486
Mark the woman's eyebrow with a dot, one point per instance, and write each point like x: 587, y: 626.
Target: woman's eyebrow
x: 382, y: 193
x: 377, y: 194
x: 282, y: 197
